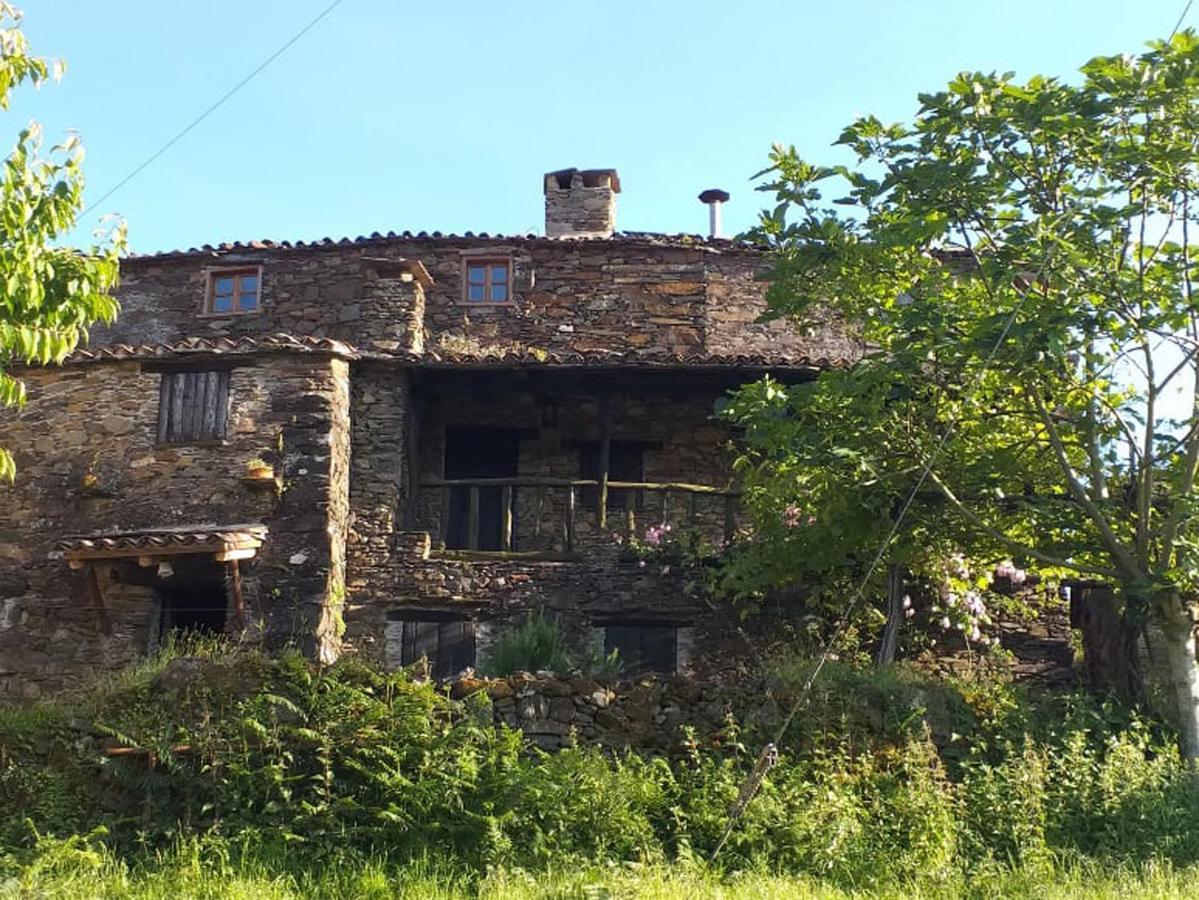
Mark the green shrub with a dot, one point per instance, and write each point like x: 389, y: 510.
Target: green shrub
x: 536, y: 644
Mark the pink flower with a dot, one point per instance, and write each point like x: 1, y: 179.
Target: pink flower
x: 945, y: 623
x: 792, y: 515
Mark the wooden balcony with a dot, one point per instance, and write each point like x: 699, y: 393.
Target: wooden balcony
x: 659, y: 502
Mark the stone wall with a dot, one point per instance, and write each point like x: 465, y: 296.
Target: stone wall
x: 651, y: 713
x: 640, y: 297
x: 88, y: 460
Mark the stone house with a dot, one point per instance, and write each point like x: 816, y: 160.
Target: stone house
x: 453, y: 426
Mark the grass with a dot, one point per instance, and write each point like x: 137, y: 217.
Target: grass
x: 76, y: 868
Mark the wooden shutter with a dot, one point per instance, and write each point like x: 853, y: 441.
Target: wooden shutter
x: 193, y: 406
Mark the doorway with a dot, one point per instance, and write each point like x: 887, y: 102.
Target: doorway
x: 479, y: 453
x: 193, y: 605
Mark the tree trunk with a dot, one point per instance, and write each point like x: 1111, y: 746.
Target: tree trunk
x: 1178, y: 627
x: 1109, y: 642
x: 895, y: 615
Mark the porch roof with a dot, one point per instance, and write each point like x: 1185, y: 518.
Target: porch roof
x: 224, y: 542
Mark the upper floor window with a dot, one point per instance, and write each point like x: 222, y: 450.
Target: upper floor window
x: 233, y: 291
x: 626, y: 462
x: 193, y: 407
x: 488, y: 280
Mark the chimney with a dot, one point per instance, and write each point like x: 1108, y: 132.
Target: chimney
x: 714, y: 197
x: 581, y: 203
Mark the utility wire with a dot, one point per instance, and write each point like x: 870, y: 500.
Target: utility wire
x: 1186, y: 9
x: 212, y: 108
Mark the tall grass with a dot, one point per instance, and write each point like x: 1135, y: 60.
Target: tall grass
x: 277, y: 778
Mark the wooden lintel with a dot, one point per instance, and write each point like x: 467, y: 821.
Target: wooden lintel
x: 235, y: 554
x: 146, y: 561
x: 76, y: 558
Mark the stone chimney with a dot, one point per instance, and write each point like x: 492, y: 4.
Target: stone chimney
x: 581, y: 203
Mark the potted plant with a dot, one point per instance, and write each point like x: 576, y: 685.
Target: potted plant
x: 258, y: 469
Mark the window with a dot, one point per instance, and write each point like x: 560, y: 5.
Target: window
x: 193, y: 406
x: 625, y: 463
x: 643, y: 646
x: 488, y: 280
x: 233, y: 291
x: 446, y: 641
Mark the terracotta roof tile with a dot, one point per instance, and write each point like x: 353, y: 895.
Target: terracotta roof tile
x: 376, y: 238
x: 185, y: 537
x: 218, y: 346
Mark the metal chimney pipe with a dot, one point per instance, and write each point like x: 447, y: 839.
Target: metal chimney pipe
x: 714, y: 197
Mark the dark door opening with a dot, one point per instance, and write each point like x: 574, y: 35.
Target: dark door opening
x: 199, y: 607
x: 479, y: 453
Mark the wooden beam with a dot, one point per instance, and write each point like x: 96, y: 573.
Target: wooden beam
x: 97, y: 597
x: 235, y: 555
x: 604, y: 409
x: 444, y: 529
x: 506, y: 512
x: 570, y: 519
x: 472, y: 520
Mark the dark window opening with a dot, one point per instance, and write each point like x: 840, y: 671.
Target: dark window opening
x: 643, y: 646
x: 198, y: 607
x: 447, y: 642
x: 626, y: 462
x: 479, y: 453
x: 193, y: 406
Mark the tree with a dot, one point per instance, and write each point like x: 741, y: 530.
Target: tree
x: 1018, y: 260
x: 49, y: 294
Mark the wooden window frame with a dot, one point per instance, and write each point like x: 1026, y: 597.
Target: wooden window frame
x: 237, y: 273
x: 489, y: 263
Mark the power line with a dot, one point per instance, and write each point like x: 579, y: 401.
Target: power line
x: 212, y: 108
x: 1186, y: 9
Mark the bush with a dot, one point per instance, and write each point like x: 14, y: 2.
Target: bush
x: 271, y: 760
x: 535, y: 645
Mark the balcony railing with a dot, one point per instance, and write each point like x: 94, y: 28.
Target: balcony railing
x: 662, y: 492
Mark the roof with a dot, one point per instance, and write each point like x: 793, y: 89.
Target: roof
x: 505, y: 356
x: 178, y: 540
x: 217, y: 346
x: 532, y: 356
x: 375, y: 239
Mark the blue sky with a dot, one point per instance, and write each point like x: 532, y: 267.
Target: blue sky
x: 444, y: 115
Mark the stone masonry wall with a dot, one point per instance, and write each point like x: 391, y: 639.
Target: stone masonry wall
x: 101, y: 418
x: 618, y: 296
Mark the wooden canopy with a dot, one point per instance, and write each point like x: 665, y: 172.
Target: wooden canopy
x: 224, y: 543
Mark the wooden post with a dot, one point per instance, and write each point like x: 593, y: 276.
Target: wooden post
x: 413, y: 458
x: 446, y: 492
x: 692, y: 509
x: 662, y: 505
x: 93, y: 586
x: 630, y: 512
x: 506, y: 493
x: 538, y: 507
x: 472, y: 520
x: 604, y: 408
x: 730, y: 518
x: 570, y: 519
x: 239, y: 602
